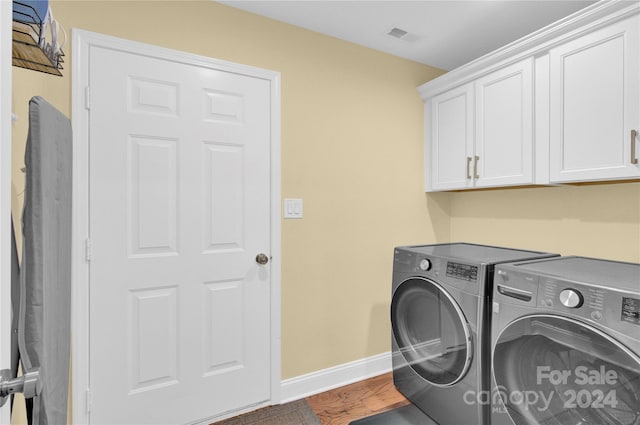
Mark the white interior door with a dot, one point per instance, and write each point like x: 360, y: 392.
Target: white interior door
x: 179, y: 208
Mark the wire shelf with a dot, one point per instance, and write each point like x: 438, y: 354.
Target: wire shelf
x: 30, y: 49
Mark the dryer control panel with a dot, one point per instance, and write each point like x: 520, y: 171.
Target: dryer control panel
x: 462, y: 271
x: 469, y: 278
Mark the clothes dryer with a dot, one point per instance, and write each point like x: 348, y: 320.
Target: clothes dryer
x: 439, y: 311
x: 566, y: 343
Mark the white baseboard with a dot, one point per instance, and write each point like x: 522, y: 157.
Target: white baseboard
x: 334, y: 377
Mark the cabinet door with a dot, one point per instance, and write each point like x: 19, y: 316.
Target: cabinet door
x: 451, y: 139
x: 504, y: 127
x: 595, y: 104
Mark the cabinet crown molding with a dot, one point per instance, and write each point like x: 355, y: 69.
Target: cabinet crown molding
x: 535, y: 44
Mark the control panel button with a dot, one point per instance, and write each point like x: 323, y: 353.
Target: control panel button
x: 571, y: 298
x: 425, y: 264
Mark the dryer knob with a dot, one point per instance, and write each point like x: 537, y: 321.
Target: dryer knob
x: 571, y: 298
x: 424, y: 264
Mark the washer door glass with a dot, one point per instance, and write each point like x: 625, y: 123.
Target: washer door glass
x: 553, y: 370
x: 431, y: 331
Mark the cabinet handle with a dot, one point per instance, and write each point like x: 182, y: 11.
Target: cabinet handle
x: 634, y: 159
x: 468, y: 167
x: 475, y: 168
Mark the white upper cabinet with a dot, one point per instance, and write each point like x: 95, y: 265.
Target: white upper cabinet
x: 595, y: 105
x: 560, y: 105
x: 482, y: 132
x: 504, y: 127
x: 451, y: 139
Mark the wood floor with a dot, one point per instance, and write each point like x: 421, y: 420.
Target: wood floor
x: 355, y: 401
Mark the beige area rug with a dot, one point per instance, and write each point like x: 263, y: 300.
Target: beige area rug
x: 295, y: 413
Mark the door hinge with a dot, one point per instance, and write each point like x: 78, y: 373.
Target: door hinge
x: 89, y: 400
x: 87, y: 250
x: 87, y: 98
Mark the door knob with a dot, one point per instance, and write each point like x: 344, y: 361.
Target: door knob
x: 29, y: 384
x: 262, y: 259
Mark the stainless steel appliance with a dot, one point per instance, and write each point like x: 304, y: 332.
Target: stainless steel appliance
x: 439, y: 314
x: 566, y: 343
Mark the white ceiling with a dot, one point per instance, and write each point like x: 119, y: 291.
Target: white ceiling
x: 444, y: 34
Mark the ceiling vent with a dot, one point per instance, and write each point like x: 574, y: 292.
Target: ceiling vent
x: 397, y: 33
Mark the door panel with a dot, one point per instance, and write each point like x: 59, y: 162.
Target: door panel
x: 179, y: 208
x: 223, y: 227
x: 152, y: 181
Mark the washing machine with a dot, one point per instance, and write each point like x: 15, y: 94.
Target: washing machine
x: 439, y: 313
x: 566, y: 343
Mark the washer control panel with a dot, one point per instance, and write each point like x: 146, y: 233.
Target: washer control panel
x: 570, y: 295
x: 603, y: 292
x: 590, y: 302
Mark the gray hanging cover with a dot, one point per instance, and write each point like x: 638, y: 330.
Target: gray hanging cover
x: 15, y: 303
x: 45, y: 276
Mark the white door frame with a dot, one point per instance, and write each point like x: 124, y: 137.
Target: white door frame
x: 6, y: 90
x: 80, y: 98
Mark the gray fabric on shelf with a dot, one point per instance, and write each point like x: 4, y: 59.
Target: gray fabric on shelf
x: 45, y: 277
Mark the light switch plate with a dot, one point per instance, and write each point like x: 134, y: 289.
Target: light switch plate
x: 292, y: 208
